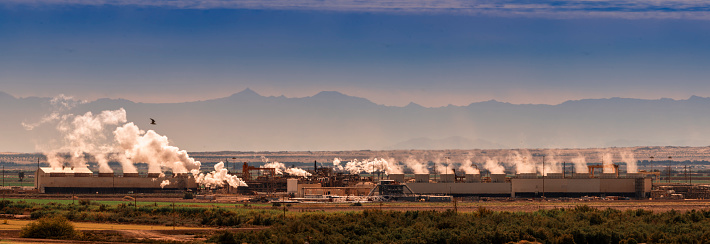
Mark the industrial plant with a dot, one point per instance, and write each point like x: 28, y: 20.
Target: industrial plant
x: 149, y: 164
x: 327, y: 184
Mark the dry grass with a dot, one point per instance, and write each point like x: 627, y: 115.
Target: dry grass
x: 17, y: 224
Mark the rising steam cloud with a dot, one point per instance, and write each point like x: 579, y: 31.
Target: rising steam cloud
x: 280, y: 169
x: 494, y: 166
x: 218, y: 177
x: 368, y: 166
x: 89, y: 135
x: 630, y: 160
x: 469, y: 167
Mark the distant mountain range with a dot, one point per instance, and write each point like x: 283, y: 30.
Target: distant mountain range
x: 247, y: 121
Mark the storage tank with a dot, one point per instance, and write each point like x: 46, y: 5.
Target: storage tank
x: 447, y: 178
x: 473, y: 178
x: 396, y: 177
x: 498, y: 178
x: 421, y: 178
x: 292, y: 186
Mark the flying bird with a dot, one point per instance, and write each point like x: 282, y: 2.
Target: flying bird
x: 152, y: 121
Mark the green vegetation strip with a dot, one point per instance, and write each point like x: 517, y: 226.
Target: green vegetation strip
x: 574, y: 224
x: 140, y: 203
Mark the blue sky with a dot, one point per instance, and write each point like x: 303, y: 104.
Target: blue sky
x: 391, y: 52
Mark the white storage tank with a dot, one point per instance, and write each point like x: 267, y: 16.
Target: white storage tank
x: 292, y: 185
x: 397, y: 177
x: 447, y: 178
x: 498, y: 178
x: 421, y: 178
x: 473, y: 178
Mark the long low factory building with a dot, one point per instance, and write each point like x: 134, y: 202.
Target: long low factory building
x: 83, y: 180
x: 529, y: 186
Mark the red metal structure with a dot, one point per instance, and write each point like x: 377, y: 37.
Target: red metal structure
x: 247, y: 171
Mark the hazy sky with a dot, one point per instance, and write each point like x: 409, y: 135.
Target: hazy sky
x: 392, y: 52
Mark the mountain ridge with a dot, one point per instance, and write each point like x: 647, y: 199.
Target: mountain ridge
x: 249, y: 93
x: 331, y: 120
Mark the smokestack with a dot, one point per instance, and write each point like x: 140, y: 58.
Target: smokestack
x: 315, y: 165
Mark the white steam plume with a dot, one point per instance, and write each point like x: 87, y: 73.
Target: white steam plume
x: 280, y: 169
x: 630, y: 160
x: 367, y: 165
x: 552, y: 164
x: 468, y: 167
x: 153, y: 149
x: 336, y: 164
x: 394, y: 166
x: 164, y: 183
x: 218, y: 177
x: 493, y: 166
x: 522, y: 161
x: 59, y: 105
x: 86, y: 134
x: 416, y: 166
x: 441, y: 166
x: 580, y: 164
x: 82, y: 135
x: 607, y: 161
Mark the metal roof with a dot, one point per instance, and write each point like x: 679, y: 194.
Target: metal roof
x: 65, y: 170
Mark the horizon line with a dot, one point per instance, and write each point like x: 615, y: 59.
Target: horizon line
x: 62, y: 96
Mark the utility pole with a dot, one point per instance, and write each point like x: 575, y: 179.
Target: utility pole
x: 543, y: 176
x: 690, y: 175
x: 650, y: 161
x: 174, y: 223
x: 669, y: 169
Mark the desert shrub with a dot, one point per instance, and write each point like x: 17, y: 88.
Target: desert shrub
x: 483, y: 211
x: 188, y: 195
x: 5, y: 203
x: 103, y: 207
x: 42, y: 213
x: 49, y: 228
x: 223, y: 237
x: 85, y: 202
x: 356, y: 204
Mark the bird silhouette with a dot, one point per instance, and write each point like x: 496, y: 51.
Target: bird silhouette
x: 152, y: 121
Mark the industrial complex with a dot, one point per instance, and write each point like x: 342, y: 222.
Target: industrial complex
x: 325, y: 183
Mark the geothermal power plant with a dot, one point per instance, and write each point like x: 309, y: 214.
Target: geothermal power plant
x: 312, y: 185
x: 170, y: 169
